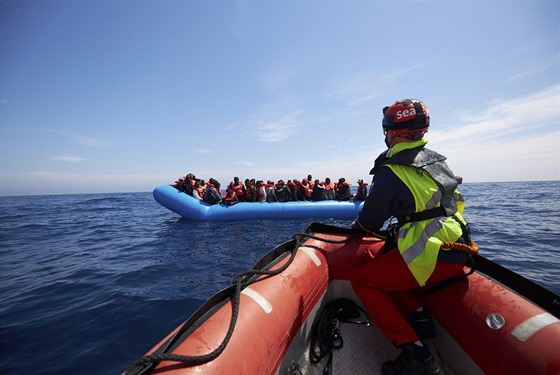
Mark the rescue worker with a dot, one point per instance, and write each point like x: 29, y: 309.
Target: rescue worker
x: 414, y: 185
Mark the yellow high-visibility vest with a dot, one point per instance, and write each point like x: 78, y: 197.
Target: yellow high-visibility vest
x: 419, y: 242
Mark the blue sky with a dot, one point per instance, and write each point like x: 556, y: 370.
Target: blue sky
x: 118, y: 96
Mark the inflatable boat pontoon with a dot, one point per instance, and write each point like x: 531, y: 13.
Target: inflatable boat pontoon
x: 491, y: 322
x: 194, y: 209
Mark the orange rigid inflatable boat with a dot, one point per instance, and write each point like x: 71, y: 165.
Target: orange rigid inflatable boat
x: 491, y: 322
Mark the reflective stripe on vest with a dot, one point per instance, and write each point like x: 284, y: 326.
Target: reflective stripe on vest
x: 418, y: 246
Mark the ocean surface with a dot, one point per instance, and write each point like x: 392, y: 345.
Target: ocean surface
x: 89, y: 283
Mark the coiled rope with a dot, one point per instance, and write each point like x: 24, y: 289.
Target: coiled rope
x: 147, y: 363
x: 470, y: 249
x: 325, y: 331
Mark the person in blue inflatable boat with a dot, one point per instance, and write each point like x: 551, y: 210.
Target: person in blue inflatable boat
x: 361, y: 194
x: 343, y: 190
x: 212, y: 194
x: 413, y: 185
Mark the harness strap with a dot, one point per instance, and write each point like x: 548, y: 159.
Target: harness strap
x: 439, y: 212
x: 425, y: 215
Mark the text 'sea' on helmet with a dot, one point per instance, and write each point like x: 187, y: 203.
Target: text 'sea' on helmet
x: 409, y: 114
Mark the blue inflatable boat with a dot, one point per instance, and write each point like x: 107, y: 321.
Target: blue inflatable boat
x: 194, y: 209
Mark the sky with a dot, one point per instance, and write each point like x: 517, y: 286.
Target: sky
x: 123, y: 96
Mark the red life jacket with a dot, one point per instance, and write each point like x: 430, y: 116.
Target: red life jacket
x: 362, y: 188
x: 230, y: 198
x: 199, y: 191
x: 238, y: 189
x: 303, y: 191
x: 248, y: 194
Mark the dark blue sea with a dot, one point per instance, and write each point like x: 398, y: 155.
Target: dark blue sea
x: 89, y: 283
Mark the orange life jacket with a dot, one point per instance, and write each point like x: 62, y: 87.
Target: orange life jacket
x: 230, y: 198
x: 248, y: 194
x: 238, y: 189
x: 199, y: 191
x: 362, y: 187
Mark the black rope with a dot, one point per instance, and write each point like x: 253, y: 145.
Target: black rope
x: 147, y: 363
x: 325, y: 332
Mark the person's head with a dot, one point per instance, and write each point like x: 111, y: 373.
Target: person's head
x: 405, y: 120
x: 236, y: 179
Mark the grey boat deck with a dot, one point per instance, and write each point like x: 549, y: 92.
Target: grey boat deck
x: 365, y: 348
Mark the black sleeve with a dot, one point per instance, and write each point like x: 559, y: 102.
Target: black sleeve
x: 389, y: 196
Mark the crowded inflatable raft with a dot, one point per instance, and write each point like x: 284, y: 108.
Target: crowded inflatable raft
x: 197, y: 199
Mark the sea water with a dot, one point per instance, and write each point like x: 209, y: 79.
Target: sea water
x: 89, y: 283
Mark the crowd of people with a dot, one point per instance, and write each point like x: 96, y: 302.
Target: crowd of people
x: 252, y: 190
